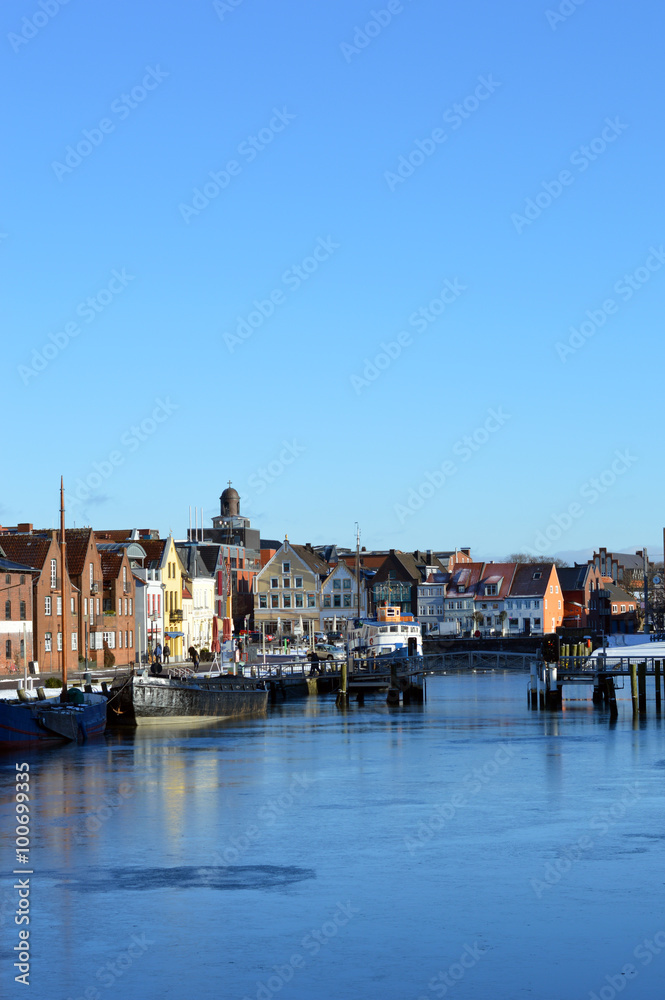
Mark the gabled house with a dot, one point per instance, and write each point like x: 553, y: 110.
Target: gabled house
x: 339, y: 598
x: 288, y: 589
x: 578, y: 583
x: 163, y: 562
x: 396, y: 580
x: 431, y: 600
x: 535, y: 601
x: 492, y: 591
x: 199, y: 560
x: 118, y: 625
x: 459, y: 602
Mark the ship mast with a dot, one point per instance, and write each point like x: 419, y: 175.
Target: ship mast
x: 63, y: 570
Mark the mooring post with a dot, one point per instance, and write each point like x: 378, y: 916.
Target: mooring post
x: 533, y: 685
x: 642, y: 688
x: 611, y: 697
x: 343, y: 695
x: 656, y: 670
x: 633, y: 687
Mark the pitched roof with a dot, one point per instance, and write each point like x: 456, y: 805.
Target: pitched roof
x: 154, y: 551
x: 111, y: 563
x: 311, y: 559
x: 30, y: 549
x: 497, y: 574
x: 615, y: 593
x: 465, y: 575
x: 531, y: 579
x: 7, y: 566
x: 573, y: 577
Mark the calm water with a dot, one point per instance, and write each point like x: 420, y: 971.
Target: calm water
x: 467, y: 848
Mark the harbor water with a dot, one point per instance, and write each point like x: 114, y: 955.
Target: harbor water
x: 465, y: 848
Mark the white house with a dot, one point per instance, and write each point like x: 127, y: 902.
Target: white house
x: 431, y: 598
x: 339, y: 599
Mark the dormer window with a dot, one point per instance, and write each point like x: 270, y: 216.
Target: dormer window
x: 491, y: 590
x: 537, y: 576
x: 461, y: 589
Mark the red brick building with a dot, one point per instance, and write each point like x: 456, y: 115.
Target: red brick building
x: 16, y: 615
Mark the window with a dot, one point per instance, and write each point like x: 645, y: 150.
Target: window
x: 326, y: 600
x: 631, y: 607
x: 120, y: 605
x: 299, y: 601
x: 615, y: 608
x: 263, y: 600
x: 234, y: 563
x: 131, y: 638
x: 513, y: 623
x: 559, y: 605
x: 297, y: 583
x: 346, y: 585
x: 125, y: 605
x: 491, y: 590
x: 8, y: 610
x: 551, y: 589
x: 347, y: 600
x: 286, y: 568
x: 8, y: 578
x: 537, y: 576
x: 131, y: 606
x: 120, y: 639
x: 92, y: 577
x: 124, y: 574
x: 337, y: 584
x: 109, y: 639
x: 75, y: 641
x: 21, y: 608
x: 47, y: 605
x: 274, y: 600
x: 22, y: 579
x: 274, y: 582
x: 47, y: 642
x: 556, y: 589
x: 126, y: 639
x: 286, y: 583
x: 623, y: 608
x: 97, y: 609
x: 536, y: 622
x: 8, y: 648
x: 311, y: 601
x: 287, y: 600
x: 59, y: 642
x: 337, y: 600
x: 58, y: 605
x: 54, y: 574
x: 85, y: 605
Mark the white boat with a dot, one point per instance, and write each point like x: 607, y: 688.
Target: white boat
x: 391, y: 633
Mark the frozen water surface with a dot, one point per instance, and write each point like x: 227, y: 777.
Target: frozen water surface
x: 467, y: 848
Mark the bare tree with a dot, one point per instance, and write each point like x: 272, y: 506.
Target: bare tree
x: 525, y: 557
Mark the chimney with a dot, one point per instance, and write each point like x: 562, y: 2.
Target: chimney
x: 22, y: 528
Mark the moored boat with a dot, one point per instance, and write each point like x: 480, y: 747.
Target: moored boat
x: 37, y: 722
x: 391, y: 633
x: 140, y: 698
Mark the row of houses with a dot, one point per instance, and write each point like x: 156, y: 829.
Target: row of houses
x: 127, y: 589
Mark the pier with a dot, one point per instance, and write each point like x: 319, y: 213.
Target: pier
x: 547, y: 681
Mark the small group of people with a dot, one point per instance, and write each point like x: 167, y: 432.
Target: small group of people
x: 158, y: 652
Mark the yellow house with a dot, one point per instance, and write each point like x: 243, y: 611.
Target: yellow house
x: 288, y: 590
x: 161, y: 556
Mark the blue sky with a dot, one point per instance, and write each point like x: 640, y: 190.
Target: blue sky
x: 389, y: 317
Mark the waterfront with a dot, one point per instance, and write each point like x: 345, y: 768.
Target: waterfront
x: 466, y: 847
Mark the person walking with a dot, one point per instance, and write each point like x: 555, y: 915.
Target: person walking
x: 167, y: 654
x: 158, y: 654
x: 194, y: 657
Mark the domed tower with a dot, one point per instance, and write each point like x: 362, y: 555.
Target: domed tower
x: 230, y: 502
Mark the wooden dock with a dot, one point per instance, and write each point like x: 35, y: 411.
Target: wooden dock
x: 547, y: 681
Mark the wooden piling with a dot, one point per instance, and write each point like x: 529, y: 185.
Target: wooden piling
x: 656, y: 670
x: 611, y: 697
x: 642, y: 688
x: 633, y: 687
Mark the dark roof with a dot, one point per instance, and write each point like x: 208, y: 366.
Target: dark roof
x: 310, y: 557
x: 28, y: 549
x: 198, y: 560
x: 154, y: 551
x: 573, y: 577
x: 525, y: 583
x: 7, y: 566
x: 111, y: 562
x: 615, y: 593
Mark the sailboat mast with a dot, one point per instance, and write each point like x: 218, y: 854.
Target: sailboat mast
x: 63, y: 570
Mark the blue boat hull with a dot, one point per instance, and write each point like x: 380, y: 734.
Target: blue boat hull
x: 22, y: 724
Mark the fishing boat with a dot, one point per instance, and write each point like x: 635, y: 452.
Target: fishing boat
x: 141, y: 698
x: 70, y: 716
x: 391, y: 633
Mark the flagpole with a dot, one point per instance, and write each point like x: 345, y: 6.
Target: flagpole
x: 63, y: 570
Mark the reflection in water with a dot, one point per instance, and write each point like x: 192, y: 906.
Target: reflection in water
x: 233, y: 846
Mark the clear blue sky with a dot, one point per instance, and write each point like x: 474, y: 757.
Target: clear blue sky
x: 336, y: 113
